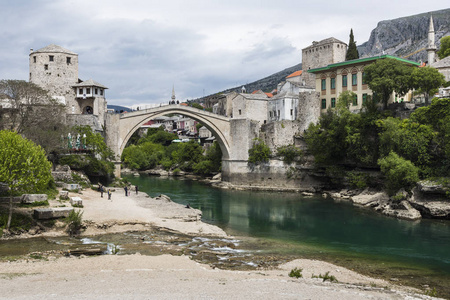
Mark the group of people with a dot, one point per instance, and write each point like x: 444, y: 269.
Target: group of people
x: 127, y: 190
x: 101, y: 189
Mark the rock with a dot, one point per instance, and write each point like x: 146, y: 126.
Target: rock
x: 307, y: 194
x: 431, y: 187
x: 217, y: 177
x: 164, y: 198
x: 31, y: 198
x: 64, y: 195
x: 404, y: 211
x: 369, y: 200
x: 51, y: 213
x: 136, y: 174
x: 34, y: 230
x: 430, y: 206
x: 76, y: 201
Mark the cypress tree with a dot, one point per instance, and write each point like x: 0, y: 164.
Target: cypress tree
x: 352, y: 51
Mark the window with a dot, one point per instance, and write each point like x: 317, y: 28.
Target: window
x: 324, y: 103
x: 270, y: 114
x: 50, y: 58
x: 239, y: 112
x: 364, y: 78
x: 88, y: 90
x: 45, y: 67
x: 292, y: 111
x: 80, y: 91
x: 333, y: 102
x: 354, y: 79
x: 324, y: 84
x: 355, y: 100
x: 68, y: 60
x: 344, y: 80
x: 278, y: 113
x: 101, y: 92
x: 364, y: 98
x: 34, y: 59
x: 96, y: 91
x: 333, y: 83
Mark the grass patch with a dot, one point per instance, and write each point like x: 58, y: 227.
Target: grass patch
x: 326, y: 277
x: 297, y: 273
x: 34, y: 204
x: 74, y: 221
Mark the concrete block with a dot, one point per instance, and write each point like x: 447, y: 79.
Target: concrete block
x: 31, y: 198
x: 64, y: 194
x: 76, y: 201
x: 51, y: 213
x: 71, y: 186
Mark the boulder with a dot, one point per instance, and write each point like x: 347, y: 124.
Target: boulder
x: 31, y: 198
x: 164, y: 198
x: 71, y: 186
x: 431, y: 187
x: 404, y: 210
x: 64, y: 195
x: 366, y: 199
x: 51, y: 213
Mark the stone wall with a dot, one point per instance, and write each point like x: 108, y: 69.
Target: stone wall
x: 84, y: 120
x: 308, y: 109
x: 280, y: 133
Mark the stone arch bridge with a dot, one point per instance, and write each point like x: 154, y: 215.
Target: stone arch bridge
x: 233, y: 135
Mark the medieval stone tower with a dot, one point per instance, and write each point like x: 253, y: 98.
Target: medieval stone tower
x: 55, y: 69
x: 321, y: 54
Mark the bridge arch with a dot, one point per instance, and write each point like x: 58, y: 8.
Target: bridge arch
x: 218, y: 125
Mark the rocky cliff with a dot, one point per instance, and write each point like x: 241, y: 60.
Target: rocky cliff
x: 406, y: 37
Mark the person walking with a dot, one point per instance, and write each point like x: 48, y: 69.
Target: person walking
x: 136, y: 188
x: 101, y: 190
x: 126, y: 190
x: 109, y: 194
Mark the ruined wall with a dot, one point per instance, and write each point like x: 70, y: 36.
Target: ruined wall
x: 280, y: 133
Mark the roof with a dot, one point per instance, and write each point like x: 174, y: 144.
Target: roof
x: 184, y: 104
x: 445, y: 62
x: 295, y: 74
x: 270, y: 95
x: 52, y: 48
x: 324, y: 42
x: 89, y: 82
x: 258, y: 96
x: 360, y: 60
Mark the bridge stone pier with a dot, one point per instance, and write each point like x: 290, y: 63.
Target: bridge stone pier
x: 234, y: 136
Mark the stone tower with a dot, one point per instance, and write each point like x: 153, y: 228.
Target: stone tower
x: 55, y: 69
x: 321, y: 54
x: 431, y: 49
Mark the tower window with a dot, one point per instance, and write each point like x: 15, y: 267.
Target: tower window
x: 96, y: 91
x: 45, y: 67
x: 80, y: 91
x: 51, y: 57
x: 101, y: 92
x: 34, y: 59
x: 88, y: 90
x: 239, y: 112
x: 68, y: 60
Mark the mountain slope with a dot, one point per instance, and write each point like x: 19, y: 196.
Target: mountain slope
x: 404, y: 36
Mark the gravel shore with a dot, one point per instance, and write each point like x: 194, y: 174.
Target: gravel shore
x: 173, y: 277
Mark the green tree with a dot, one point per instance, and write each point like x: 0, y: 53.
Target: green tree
x: 259, y: 152
x: 24, y: 167
x: 196, y: 105
x: 352, y: 51
x: 399, y: 172
x: 444, y: 49
x: 427, y: 80
x: 388, y: 75
x: 94, y: 141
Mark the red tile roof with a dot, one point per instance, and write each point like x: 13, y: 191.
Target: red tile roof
x: 295, y: 74
x: 270, y: 95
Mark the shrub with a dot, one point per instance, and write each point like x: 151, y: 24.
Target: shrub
x: 399, y: 172
x: 358, y: 180
x: 259, y: 152
x: 326, y: 277
x: 289, y: 153
x: 74, y: 221
x: 297, y: 273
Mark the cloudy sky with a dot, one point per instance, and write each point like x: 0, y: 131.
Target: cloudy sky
x: 141, y: 48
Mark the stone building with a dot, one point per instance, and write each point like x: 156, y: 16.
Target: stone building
x: 55, y: 69
x: 319, y: 54
x: 333, y: 79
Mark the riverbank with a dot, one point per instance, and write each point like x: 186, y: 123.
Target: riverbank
x: 166, y: 276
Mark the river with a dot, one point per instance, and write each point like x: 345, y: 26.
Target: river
x: 320, y: 228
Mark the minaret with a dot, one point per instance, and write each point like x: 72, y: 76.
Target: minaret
x: 431, y: 44
x: 173, y: 94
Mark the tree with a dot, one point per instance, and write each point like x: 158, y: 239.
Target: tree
x: 33, y: 114
x: 259, y: 152
x: 352, y: 51
x: 24, y: 167
x: 427, y: 80
x: 388, y: 75
x: 444, y: 50
x: 399, y: 172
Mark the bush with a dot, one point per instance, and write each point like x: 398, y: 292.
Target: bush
x: 297, y: 273
x: 289, y: 153
x: 259, y: 152
x: 74, y: 221
x: 358, y: 180
x: 399, y: 172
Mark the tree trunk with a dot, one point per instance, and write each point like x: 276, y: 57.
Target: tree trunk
x: 10, y: 212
